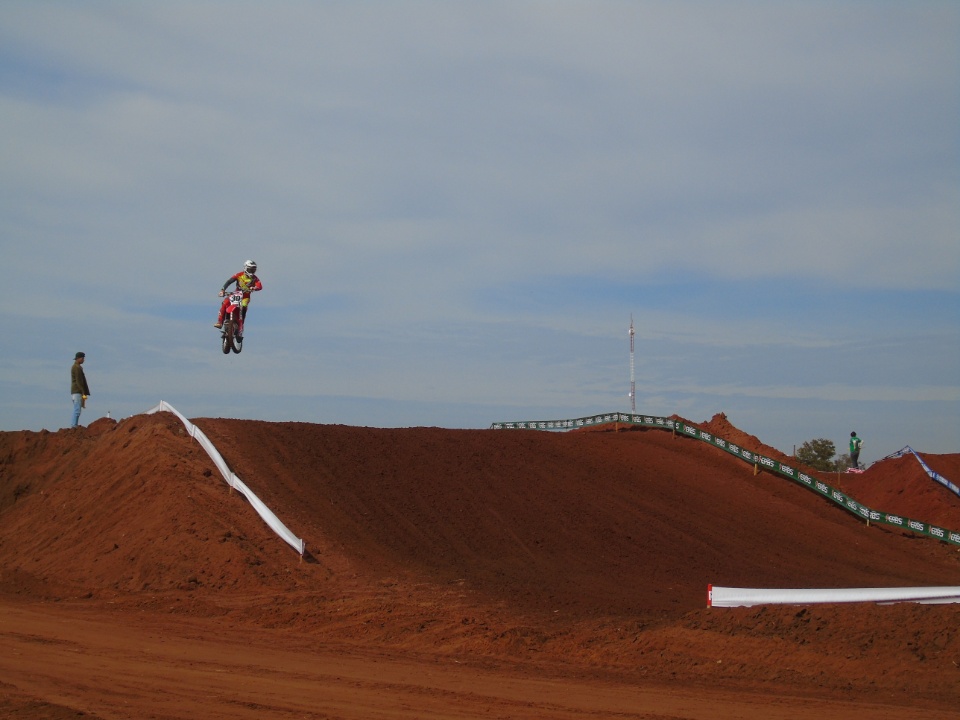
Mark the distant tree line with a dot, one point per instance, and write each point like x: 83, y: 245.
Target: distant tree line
x: 821, y: 454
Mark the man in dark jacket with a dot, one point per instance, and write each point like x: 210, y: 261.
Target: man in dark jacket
x: 78, y: 387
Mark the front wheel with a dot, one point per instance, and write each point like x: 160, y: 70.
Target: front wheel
x: 237, y: 326
x: 226, y: 336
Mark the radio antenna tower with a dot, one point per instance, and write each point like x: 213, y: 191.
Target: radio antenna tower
x: 633, y: 385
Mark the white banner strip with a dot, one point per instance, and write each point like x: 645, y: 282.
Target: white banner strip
x: 748, y: 597
x: 233, y: 481
x: 934, y: 475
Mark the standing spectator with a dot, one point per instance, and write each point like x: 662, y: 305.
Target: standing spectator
x: 79, y: 390
x: 855, y: 445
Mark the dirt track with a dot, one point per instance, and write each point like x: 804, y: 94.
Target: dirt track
x: 454, y: 574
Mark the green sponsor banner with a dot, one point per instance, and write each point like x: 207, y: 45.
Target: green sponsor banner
x: 589, y: 421
x: 760, y: 462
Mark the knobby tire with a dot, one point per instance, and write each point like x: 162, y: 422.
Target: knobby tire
x: 237, y: 340
x: 227, y: 336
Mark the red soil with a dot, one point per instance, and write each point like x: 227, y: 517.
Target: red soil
x: 897, y: 485
x: 548, y: 574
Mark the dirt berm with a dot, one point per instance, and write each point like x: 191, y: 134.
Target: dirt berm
x: 579, y: 556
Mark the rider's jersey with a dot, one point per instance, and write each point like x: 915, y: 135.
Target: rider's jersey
x: 244, y: 282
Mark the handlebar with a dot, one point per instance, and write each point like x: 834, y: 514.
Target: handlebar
x: 224, y: 293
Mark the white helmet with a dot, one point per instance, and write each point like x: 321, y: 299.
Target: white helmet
x: 249, y: 267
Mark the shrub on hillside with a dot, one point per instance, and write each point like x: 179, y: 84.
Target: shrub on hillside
x: 819, y: 454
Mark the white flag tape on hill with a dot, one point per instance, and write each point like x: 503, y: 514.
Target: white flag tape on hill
x: 926, y: 468
x: 232, y: 480
x: 747, y: 597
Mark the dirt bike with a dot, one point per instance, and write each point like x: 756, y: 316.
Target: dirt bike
x: 231, y: 334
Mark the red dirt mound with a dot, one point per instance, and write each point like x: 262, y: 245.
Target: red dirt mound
x: 590, y: 551
x: 586, y: 523
x: 129, y: 507
x: 721, y: 426
x: 901, y: 485
x: 894, y: 485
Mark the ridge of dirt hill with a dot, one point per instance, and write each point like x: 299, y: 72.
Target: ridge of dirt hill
x: 893, y: 485
x: 589, y: 548
x: 588, y: 524
x: 721, y: 426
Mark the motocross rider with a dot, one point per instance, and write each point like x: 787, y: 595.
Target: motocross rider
x: 248, y: 282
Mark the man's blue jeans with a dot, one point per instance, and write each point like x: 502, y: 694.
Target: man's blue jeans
x: 77, y: 405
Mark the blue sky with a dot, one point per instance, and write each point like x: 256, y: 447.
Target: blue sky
x: 458, y: 206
